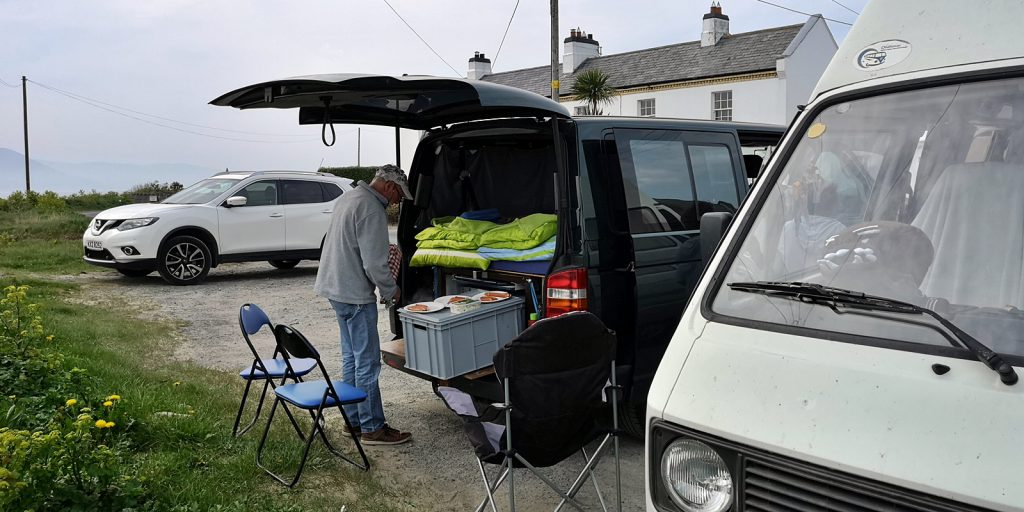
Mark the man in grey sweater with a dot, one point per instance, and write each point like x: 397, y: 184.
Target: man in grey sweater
x: 353, y: 263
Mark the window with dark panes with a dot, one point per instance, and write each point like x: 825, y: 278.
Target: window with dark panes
x: 721, y: 106
x: 331, y: 191
x: 714, y: 177
x: 302, y: 192
x: 659, y: 193
x: 260, y: 193
x: 645, y: 108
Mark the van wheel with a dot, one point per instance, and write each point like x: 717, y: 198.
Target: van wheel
x: 184, y: 260
x: 135, y: 272
x: 631, y: 418
x: 284, y: 264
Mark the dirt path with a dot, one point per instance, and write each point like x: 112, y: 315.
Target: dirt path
x: 437, y: 468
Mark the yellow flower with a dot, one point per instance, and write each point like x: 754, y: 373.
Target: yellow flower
x: 108, y: 403
x: 71, y: 402
x: 49, y: 338
x: 101, y: 424
x: 114, y: 397
x: 177, y: 383
x: 110, y: 424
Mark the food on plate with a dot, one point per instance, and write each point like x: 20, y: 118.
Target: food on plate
x: 417, y: 308
x: 458, y: 300
x: 489, y: 298
x: 498, y: 295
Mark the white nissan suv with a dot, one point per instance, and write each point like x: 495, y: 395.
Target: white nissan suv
x: 275, y: 216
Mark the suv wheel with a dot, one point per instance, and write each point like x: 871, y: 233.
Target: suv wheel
x: 135, y: 272
x: 631, y: 417
x: 284, y: 264
x: 184, y: 260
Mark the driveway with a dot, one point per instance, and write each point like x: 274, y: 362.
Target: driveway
x: 437, y: 468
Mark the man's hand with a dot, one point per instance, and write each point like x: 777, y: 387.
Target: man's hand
x: 398, y: 295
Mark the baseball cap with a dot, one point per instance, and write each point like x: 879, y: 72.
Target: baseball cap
x: 395, y: 175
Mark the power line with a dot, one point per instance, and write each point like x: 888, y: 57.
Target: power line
x: 502, y: 43
x: 7, y: 84
x: 175, y: 128
x: 421, y: 38
x: 804, y: 13
x: 93, y: 100
x: 845, y: 7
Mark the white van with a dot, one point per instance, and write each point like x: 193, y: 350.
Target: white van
x: 855, y: 343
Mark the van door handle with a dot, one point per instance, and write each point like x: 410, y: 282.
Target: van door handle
x: 326, y: 211
x: 276, y: 215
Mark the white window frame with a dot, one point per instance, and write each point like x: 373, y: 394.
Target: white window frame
x: 721, y: 106
x: 580, y: 110
x: 640, y: 107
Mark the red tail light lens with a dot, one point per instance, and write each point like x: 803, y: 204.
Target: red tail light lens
x: 566, y: 291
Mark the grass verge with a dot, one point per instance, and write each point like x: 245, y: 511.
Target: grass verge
x: 181, y: 442
x: 48, y: 242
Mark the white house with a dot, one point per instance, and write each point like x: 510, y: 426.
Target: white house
x: 759, y: 76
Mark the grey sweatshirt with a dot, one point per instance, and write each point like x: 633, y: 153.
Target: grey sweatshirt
x: 354, y: 260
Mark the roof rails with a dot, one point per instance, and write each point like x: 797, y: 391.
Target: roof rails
x: 253, y: 173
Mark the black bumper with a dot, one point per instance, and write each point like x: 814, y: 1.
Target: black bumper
x: 103, y: 258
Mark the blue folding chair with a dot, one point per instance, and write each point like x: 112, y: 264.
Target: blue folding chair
x: 251, y: 319
x: 312, y: 396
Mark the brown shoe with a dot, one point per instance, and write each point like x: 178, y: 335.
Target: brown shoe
x: 386, y: 435
x: 348, y: 432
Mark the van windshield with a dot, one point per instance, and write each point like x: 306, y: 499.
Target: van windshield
x: 202, y: 192
x: 916, y: 196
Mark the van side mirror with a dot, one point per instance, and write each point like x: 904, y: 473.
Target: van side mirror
x: 712, y: 228
x: 234, y: 201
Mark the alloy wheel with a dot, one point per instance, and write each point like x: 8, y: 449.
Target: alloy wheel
x: 185, y: 261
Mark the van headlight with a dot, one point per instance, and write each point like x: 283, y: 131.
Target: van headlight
x: 696, y: 477
x: 135, y: 223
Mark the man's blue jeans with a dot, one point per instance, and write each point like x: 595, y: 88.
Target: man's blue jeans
x: 360, y: 362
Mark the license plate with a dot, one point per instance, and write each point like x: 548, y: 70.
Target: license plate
x: 92, y: 244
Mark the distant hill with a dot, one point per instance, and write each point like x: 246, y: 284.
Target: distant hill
x: 69, y: 177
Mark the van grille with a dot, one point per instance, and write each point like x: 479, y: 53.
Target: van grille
x: 780, y: 486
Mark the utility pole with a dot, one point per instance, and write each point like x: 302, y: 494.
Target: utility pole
x: 359, y: 146
x: 24, y: 110
x: 554, y: 51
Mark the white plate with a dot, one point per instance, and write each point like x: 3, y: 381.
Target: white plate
x: 93, y: 244
x: 444, y: 300
x: 432, y: 307
x: 480, y: 296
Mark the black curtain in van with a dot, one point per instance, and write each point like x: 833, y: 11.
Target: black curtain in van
x: 517, y: 181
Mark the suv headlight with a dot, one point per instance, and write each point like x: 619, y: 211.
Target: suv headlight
x: 696, y: 477
x: 135, y: 223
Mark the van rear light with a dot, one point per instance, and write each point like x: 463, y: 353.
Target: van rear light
x: 566, y: 291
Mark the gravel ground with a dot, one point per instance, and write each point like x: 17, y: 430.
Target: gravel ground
x: 437, y: 468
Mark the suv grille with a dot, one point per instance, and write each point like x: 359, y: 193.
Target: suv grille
x: 778, y: 486
x: 103, y: 255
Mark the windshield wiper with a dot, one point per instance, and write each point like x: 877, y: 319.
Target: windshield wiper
x: 838, y: 299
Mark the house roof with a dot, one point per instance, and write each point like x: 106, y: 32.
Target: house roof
x: 734, y: 54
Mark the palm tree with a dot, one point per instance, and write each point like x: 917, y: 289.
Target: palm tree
x: 592, y: 86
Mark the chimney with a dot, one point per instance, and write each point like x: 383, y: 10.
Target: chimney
x: 578, y: 47
x: 716, y: 25
x: 478, y: 66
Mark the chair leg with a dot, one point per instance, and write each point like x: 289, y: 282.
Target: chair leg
x: 241, y: 408
x: 487, y: 487
x: 503, y: 474
x: 587, y: 472
x: 549, y: 483
x: 593, y: 479
x: 263, y: 441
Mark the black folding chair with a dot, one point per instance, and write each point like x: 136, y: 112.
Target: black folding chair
x: 251, y: 319
x: 558, y: 376
x: 312, y: 396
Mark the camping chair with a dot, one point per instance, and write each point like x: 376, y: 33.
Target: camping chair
x: 251, y: 319
x: 557, y: 376
x: 312, y: 396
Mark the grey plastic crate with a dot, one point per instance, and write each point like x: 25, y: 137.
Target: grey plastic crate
x: 444, y: 345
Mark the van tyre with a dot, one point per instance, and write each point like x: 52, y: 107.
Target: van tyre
x: 184, y: 260
x: 631, y: 418
x: 284, y: 264
x: 135, y: 272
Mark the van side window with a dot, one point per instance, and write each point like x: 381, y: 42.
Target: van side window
x: 657, y: 183
x: 715, y: 178
x: 260, y: 193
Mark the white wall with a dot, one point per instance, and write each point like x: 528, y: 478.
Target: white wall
x: 754, y: 101
x: 806, y: 65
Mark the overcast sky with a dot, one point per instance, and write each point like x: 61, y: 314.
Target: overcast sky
x: 169, y: 58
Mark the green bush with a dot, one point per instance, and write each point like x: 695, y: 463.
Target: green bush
x: 352, y: 173
x: 94, y: 200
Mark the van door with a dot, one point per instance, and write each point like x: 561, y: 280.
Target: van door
x: 670, y: 178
